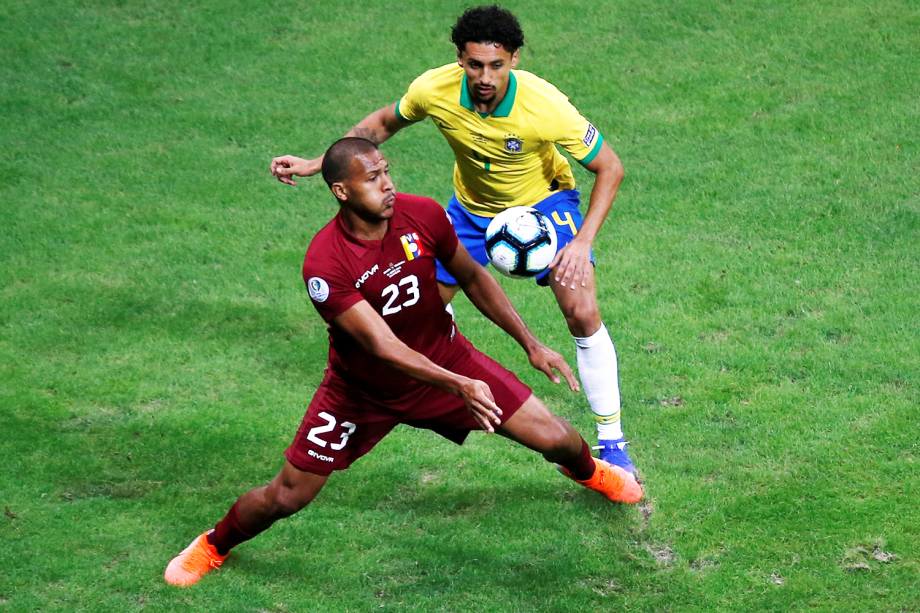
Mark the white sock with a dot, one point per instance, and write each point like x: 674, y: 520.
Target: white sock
x: 597, y: 369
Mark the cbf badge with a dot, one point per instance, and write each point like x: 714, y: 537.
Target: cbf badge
x: 318, y: 288
x: 513, y: 144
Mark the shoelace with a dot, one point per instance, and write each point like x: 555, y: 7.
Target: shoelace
x: 617, y: 445
x: 201, y: 557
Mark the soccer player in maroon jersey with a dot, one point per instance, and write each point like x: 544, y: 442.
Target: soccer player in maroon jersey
x: 396, y: 357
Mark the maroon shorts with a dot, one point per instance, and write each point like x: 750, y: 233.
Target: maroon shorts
x: 343, y: 423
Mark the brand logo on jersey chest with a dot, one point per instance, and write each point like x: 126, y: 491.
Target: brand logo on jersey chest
x: 367, y: 275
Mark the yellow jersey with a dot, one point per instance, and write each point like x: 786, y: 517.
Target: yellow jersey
x: 507, y: 157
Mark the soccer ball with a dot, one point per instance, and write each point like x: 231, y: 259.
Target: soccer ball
x: 521, y: 242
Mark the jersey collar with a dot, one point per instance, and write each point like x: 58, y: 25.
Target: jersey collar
x: 504, y: 107
x: 360, y: 247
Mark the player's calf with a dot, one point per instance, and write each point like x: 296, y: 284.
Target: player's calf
x: 535, y: 427
x: 253, y: 513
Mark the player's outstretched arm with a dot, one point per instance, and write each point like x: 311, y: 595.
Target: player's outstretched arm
x: 377, y: 127
x: 488, y: 296
x: 366, y: 326
x: 571, y: 265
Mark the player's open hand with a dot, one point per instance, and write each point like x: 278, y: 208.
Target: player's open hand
x: 549, y: 362
x: 572, y: 264
x: 479, y: 400
x: 286, y: 167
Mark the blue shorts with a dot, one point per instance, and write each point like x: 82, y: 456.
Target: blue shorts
x: 561, y: 208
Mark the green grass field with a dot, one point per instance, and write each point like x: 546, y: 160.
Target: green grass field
x: 759, y: 274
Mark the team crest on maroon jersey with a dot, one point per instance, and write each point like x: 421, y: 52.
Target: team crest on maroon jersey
x: 412, y: 245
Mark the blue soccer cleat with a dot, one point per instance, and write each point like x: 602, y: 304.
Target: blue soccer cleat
x: 614, y: 452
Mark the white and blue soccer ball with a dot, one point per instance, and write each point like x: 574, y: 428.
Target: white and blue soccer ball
x: 521, y: 242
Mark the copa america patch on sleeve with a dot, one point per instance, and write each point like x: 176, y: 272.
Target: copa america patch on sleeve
x: 589, y: 135
x: 318, y: 288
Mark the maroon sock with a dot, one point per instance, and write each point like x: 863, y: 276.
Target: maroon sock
x: 227, y: 534
x: 582, y: 467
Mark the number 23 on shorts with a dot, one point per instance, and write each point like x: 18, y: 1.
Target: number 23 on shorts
x: 348, y: 429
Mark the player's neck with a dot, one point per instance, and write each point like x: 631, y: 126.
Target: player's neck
x: 364, y: 229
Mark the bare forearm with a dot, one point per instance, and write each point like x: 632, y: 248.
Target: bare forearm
x: 606, y: 185
x: 476, y: 394
x: 487, y: 295
x: 378, y: 126
x: 608, y: 170
x: 370, y: 330
x: 405, y: 359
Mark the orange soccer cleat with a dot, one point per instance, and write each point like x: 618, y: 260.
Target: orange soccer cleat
x: 612, y: 481
x: 195, y: 561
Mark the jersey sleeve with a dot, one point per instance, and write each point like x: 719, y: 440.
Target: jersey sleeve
x: 413, y: 106
x: 446, y: 240
x: 573, y: 132
x: 331, y: 292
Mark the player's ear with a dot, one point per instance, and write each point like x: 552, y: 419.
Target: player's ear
x: 515, y: 57
x: 339, y: 191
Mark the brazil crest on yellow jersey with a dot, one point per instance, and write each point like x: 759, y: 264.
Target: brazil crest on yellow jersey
x: 508, y: 157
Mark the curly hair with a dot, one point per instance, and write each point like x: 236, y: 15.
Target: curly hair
x: 488, y: 24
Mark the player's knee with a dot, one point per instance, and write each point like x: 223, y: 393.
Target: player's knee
x: 559, y: 438
x: 583, y: 319
x: 288, y: 500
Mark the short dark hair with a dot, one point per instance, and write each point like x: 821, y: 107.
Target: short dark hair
x: 339, y: 155
x: 488, y: 24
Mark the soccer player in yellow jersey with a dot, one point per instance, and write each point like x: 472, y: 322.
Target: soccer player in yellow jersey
x: 504, y: 126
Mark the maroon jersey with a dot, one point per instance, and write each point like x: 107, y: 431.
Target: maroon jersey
x: 396, y: 275
x: 361, y: 398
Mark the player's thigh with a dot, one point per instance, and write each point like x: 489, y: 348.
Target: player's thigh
x: 446, y: 413
x: 340, y: 425
x: 562, y: 209
x: 537, y: 428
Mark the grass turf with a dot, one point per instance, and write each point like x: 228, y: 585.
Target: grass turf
x: 759, y: 275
